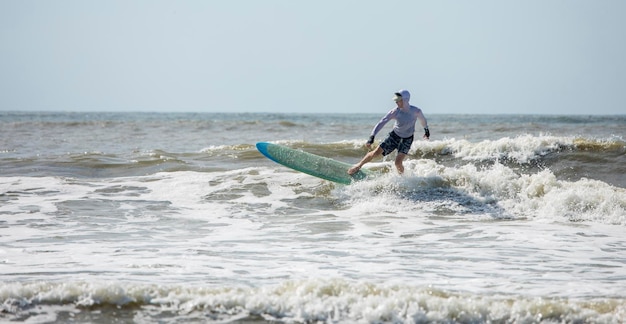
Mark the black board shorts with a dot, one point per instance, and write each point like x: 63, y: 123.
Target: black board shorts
x: 395, y: 142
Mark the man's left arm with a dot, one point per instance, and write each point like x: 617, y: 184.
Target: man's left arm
x: 424, y: 123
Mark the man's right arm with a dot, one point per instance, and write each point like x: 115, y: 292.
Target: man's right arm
x: 389, y: 116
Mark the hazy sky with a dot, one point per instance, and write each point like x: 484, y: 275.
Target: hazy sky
x: 474, y: 57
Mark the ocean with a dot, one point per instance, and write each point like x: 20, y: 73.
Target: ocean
x: 177, y: 218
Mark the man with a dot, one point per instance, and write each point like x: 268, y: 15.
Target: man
x: 401, y: 137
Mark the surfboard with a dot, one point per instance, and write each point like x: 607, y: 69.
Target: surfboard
x: 311, y: 164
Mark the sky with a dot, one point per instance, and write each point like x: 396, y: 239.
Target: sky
x: 324, y: 56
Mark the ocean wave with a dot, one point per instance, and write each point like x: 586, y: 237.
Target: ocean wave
x: 329, y: 300
x: 497, y: 190
x: 569, y: 157
x: 608, y: 145
x: 97, y: 164
x: 521, y: 149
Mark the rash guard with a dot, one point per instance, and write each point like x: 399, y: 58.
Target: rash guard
x: 405, y: 120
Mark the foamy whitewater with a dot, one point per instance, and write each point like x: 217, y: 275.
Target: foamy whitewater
x: 144, y: 218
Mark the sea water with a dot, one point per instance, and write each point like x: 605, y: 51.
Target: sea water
x: 175, y: 217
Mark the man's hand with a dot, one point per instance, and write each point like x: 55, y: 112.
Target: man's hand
x: 370, y: 141
x: 426, y: 133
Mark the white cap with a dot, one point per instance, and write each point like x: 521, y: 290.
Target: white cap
x: 404, y: 94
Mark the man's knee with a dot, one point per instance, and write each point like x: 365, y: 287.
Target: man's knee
x: 376, y: 152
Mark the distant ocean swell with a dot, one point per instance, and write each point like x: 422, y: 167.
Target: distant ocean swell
x: 300, y: 301
x: 520, y: 150
x: 570, y: 158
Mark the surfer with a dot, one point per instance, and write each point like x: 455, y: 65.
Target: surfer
x: 401, y: 137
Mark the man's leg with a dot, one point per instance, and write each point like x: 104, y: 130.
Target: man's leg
x: 399, y: 166
x: 368, y: 157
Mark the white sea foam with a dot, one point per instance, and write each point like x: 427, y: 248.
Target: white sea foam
x: 520, y: 149
x: 314, y: 300
x: 538, y: 195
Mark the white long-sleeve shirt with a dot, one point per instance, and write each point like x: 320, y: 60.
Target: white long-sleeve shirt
x: 405, y: 121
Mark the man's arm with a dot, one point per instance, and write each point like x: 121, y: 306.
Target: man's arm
x: 424, y: 123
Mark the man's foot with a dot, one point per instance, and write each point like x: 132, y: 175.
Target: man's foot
x: 354, y: 170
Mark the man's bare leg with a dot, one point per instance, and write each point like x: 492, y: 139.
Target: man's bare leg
x: 399, y: 166
x: 368, y: 157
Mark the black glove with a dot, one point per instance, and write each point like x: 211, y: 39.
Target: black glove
x: 426, y: 133
x: 371, y: 140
